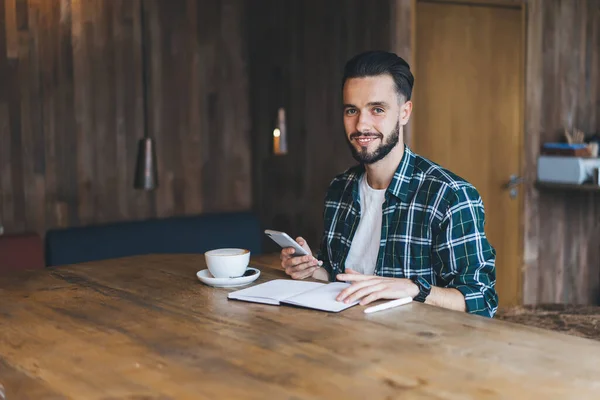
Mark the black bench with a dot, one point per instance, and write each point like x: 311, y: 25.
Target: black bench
x: 189, y: 234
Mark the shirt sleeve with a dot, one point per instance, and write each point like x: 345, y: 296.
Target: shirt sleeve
x: 465, y: 258
x: 323, y: 256
x: 323, y: 252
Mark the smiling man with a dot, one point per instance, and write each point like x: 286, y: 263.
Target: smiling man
x: 397, y: 224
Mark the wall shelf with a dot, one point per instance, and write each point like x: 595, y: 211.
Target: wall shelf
x: 586, y: 187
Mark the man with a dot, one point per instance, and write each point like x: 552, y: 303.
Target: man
x: 397, y: 224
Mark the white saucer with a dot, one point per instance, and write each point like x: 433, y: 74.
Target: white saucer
x: 206, y: 277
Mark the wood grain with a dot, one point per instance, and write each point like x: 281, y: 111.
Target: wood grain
x: 516, y: 4
x: 22, y: 386
x: 10, y: 26
x: 71, y: 110
x: 533, y: 128
x: 562, y: 256
x: 16, y: 156
x: 144, y: 327
x: 6, y: 198
x: 403, y: 41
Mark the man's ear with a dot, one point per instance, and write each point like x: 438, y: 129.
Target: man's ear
x: 405, y: 112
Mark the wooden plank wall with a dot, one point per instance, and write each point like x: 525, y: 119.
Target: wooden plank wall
x: 299, y: 49
x: 71, y: 110
x: 562, y: 228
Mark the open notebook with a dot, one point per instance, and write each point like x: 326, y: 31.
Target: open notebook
x: 315, y: 295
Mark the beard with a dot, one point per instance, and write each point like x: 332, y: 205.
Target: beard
x: 363, y: 156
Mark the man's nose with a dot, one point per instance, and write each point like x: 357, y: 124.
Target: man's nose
x: 364, y: 123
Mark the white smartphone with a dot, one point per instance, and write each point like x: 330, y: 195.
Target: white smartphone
x: 284, y: 240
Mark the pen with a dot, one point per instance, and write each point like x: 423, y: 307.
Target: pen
x: 389, y: 304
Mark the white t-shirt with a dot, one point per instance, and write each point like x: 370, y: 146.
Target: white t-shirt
x: 365, y: 244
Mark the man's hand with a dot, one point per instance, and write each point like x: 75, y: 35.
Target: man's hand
x: 370, y: 288
x: 299, y: 267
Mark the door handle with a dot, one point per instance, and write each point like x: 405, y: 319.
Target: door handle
x: 514, y: 181
x: 512, y: 185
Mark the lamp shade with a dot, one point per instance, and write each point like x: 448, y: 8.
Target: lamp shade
x: 146, y: 173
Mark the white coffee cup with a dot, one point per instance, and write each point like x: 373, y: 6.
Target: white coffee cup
x: 227, y: 263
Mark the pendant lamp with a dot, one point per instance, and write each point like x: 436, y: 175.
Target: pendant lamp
x: 146, y: 171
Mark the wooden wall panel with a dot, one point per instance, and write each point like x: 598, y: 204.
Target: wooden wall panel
x: 10, y: 26
x: 562, y: 228
x: 299, y: 49
x: 533, y: 121
x: 402, y: 20
x: 71, y: 110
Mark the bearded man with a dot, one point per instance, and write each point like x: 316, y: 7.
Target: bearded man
x: 397, y: 224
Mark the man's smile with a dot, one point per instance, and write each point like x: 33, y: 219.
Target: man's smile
x: 365, y: 140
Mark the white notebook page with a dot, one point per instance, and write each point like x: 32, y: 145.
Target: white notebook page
x: 274, y: 291
x: 322, y: 298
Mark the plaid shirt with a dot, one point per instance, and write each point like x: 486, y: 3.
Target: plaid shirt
x: 432, y: 226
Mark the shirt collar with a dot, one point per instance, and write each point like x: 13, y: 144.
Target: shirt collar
x: 400, y: 184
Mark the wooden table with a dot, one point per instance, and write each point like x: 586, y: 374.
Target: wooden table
x: 146, y: 328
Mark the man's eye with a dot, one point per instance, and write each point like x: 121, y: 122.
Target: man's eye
x: 378, y: 110
x: 350, y: 111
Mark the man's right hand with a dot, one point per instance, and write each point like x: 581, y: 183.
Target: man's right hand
x: 299, y: 267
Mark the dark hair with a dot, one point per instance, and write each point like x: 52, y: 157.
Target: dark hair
x: 374, y: 63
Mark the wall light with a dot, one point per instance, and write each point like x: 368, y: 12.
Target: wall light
x: 280, y: 134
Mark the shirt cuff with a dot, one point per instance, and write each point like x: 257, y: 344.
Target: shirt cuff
x: 474, y: 301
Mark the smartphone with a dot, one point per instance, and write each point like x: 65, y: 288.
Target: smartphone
x: 284, y: 240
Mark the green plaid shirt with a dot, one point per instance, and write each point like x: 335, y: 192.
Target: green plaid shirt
x: 432, y: 226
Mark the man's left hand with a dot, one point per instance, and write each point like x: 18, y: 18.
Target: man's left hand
x: 370, y: 288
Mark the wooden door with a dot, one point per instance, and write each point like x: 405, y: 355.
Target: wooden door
x: 468, y: 114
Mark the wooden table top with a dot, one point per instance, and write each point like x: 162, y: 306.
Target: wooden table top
x: 146, y: 328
